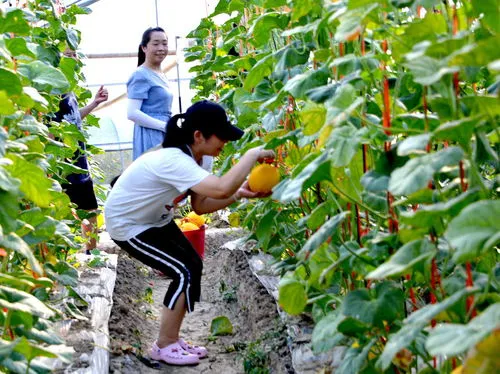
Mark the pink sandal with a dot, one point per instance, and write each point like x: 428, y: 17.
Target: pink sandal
x: 173, y: 354
x: 197, y: 350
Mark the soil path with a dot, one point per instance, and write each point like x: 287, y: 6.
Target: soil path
x: 228, y: 289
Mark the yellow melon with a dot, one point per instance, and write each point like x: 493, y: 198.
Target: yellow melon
x: 188, y: 226
x: 263, y: 178
x: 196, y: 219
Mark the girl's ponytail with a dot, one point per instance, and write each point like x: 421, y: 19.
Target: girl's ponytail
x: 176, y: 135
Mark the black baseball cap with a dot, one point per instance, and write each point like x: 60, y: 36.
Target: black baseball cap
x: 206, y: 113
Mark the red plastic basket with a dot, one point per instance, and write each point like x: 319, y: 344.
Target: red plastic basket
x: 197, y: 240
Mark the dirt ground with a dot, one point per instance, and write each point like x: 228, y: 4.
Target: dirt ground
x: 228, y: 289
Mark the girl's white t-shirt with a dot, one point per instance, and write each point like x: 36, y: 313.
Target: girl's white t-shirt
x: 147, y: 192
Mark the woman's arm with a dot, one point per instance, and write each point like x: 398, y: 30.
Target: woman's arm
x: 100, y: 96
x: 214, y: 193
x: 135, y: 114
x: 203, y: 204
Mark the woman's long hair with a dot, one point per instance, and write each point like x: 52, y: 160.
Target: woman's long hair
x: 146, y: 37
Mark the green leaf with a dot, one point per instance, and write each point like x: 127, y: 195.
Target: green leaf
x: 6, y: 105
x: 404, y: 259
x: 30, y: 350
x: 325, y: 335
x: 260, y: 31
x: 460, y: 131
x: 34, y: 182
x: 355, y: 359
x: 490, y: 12
x: 414, y: 144
x: 301, y: 83
x: 13, y: 299
x: 323, y: 233
x: 344, y: 144
x: 475, y: 230
x: 313, y: 118
x: 10, y: 82
x: 44, y: 76
x: 265, y: 227
x: 418, y: 171
x: 18, y: 47
x: 292, y: 56
x: 15, y: 243
x: 453, y: 339
x: 315, y: 171
x: 263, y: 68
x: 221, y: 326
x: 13, y: 21
x: 385, y: 303
x: 353, y: 327
x: 432, y: 215
x: 427, y: 70
x: 317, y: 216
x: 292, y: 295
x: 402, y: 339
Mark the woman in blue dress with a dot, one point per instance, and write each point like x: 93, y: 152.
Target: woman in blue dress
x: 149, y: 96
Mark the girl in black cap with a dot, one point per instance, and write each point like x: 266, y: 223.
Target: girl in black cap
x: 140, y: 207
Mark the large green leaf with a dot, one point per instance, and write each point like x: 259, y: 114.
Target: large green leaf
x: 15, y: 243
x: 428, y: 28
x: 460, y: 131
x: 475, y: 230
x: 292, y: 55
x: 427, y: 70
x: 301, y: 83
x: 17, y: 300
x: 34, y: 182
x: 344, y: 143
x: 260, y: 31
x: 14, y: 21
x: 432, y: 216
x: 260, y: 70
x: 454, y: 339
x: 418, y: 171
x: 325, y: 335
x: 478, y: 54
x: 18, y: 47
x: 414, y: 144
x: 10, y: 82
x: 292, y: 295
x: 385, y: 303
x: 289, y: 190
x: 313, y: 118
x: 45, y: 76
x: 404, y: 259
x: 6, y: 105
x: 489, y: 10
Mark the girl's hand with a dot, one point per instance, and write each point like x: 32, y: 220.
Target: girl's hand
x: 266, y: 155
x: 245, y: 192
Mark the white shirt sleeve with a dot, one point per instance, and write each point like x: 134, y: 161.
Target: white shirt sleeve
x: 135, y: 114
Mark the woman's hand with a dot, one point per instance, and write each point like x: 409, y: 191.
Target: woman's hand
x: 101, y: 95
x: 245, y: 192
x: 266, y: 155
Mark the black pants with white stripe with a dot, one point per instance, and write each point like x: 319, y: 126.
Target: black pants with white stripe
x: 166, y: 249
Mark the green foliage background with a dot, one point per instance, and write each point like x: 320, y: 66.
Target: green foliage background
x: 384, y: 116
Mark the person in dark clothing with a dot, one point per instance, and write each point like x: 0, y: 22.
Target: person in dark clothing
x: 80, y: 187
